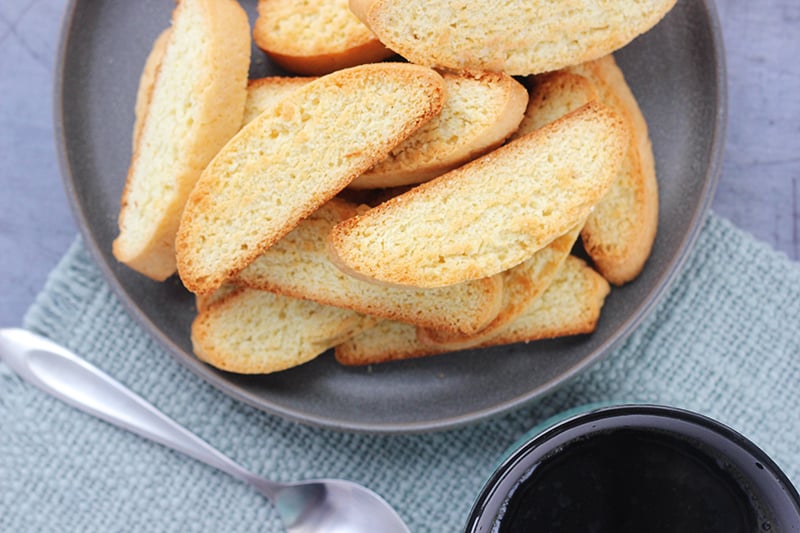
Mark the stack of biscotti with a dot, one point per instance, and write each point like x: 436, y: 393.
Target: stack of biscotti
x: 389, y: 210
x: 465, y: 299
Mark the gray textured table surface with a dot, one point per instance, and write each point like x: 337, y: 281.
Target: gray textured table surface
x: 759, y: 190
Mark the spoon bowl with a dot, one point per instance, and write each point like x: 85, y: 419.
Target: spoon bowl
x: 321, y: 506
x: 335, y: 505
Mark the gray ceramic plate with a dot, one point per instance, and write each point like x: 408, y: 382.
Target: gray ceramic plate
x: 676, y: 71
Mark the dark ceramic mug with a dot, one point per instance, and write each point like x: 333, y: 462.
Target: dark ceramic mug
x: 641, y: 468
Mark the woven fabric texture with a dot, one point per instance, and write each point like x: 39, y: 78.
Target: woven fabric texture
x: 724, y: 341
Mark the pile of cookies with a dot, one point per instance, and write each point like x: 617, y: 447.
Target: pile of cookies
x: 389, y: 206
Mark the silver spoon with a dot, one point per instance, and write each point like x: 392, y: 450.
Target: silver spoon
x: 322, y: 505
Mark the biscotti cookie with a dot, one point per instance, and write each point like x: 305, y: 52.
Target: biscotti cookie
x: 570, y: 306
x: 450, y: 230
x: 517, y: 37
x: 619, y: 234
x: 481, y: 111
x: 195, y: 107
x: 314, y: 37
x: 293, y: 158
x: 258, y: 332
x: 298, y: 266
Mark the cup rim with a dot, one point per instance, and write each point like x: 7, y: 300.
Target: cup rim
x: 547, y: 434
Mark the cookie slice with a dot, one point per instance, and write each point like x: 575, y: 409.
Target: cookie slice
x: 481, y: 111
x: 491, y: 214
x: 298, y: 265
x: 315, y: 37
x: 293, y: 158
x: 258, y: 332
x: 518, y: 37
x: 195, y: 107
x: 620, y: 232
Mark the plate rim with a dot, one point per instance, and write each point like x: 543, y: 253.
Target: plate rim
x: 673, y: 267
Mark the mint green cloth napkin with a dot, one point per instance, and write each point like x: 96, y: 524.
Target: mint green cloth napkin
x: 725, y: 341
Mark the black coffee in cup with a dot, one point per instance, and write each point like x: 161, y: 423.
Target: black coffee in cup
x: 631, y: 480
x: 637, y: 469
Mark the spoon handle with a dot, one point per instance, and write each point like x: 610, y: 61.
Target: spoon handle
x: 61, y: 373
